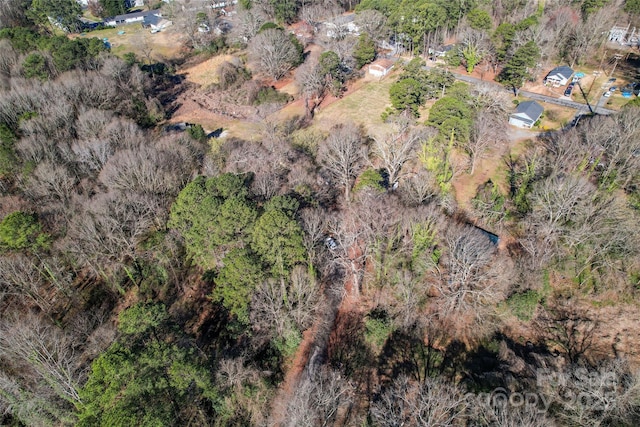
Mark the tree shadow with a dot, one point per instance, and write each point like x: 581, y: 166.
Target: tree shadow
x: 406, y: 353
x: 347, y: 348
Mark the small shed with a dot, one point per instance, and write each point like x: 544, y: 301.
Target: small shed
x: 526, y: 115
x: 380, y: 67
x: 559, y: 76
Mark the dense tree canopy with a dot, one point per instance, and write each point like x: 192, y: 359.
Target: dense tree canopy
x: 64, y: 13
x: 143, y: 380
x: 20, y: 230
x: 365, y: 51
x: 113, y: 7
x: 632, y: 6
x: 518, y: 68
x: 311, y: 271
x: 416, y: 85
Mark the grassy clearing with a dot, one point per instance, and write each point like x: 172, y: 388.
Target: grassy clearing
x: 363, y: 106
x: 164, y: 45
x: 205, y: 73
x: 555, y: 117
x: 617, y: 101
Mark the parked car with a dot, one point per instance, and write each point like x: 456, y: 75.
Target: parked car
x: 607, y: 94
x: 569, y: 89
x: 613, y: 88
x: 330, y: 243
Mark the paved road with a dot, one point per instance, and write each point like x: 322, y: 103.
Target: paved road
x: 565, y: 102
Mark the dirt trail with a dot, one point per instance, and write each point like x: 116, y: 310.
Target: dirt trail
x: 293, y: 375
x: 312, y: 349
x: 310, y: 353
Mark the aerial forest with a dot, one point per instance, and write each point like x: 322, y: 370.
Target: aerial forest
x: 307, y: 272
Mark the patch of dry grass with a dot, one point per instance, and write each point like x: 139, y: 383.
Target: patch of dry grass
x: 363, y: 106
x: 205, y: 73
x: 555, y: 116
x: 161, y: 46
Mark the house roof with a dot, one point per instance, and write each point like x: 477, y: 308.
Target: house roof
x: 528, y: 111
x: 445, y: 48
x: 563, y: 71
x: 152, y: 19
x: 344, y: 19
x: 118, y: 18
x: 382, y: 62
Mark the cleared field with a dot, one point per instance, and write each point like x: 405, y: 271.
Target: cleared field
x: 205, y: 73
x: 161, y: 46
x: 363, y: 106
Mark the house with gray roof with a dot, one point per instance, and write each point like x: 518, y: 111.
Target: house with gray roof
x: 129, y: 18
x: 527, y: 113
x: 559, y: 76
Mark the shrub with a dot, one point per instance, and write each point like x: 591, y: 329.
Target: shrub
x: 269, y: 95
x: 523, y: 304
x: 377, y: 328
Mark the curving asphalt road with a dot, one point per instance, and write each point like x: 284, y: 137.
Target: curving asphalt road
x: 582, y: 108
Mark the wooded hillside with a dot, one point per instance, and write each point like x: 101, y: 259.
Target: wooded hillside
x: 154, y: 274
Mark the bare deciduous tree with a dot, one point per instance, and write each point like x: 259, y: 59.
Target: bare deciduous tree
x: 587, y: 34
x: 35, y: 279
x: 8, y: 60
x: 108, y: 230
x: 372, y: 23
x: 195, y: 23
x: 247, y: 24
x: 21, y: 277
x: 435, y: 402
x: 13, y: 13
x: 343, y: 155
x: 396, y: 149
x: 273, y: 50
x: 344, y: 47
x: 312, y: 85
x: 52, y: 182
x: 145, y: 170
x: 502, y: 414
x: 281, y: 307
x: 487, y: 130
x: 600, y: 395
x: 318, y: 399
x: 349, y: 253
x: 419, y: 187
x: 45, y: 352
x: 313, y: 223
x: 570, y: 217
x: 472, y: 278
x: 567, y: 328
x: 316, y: 11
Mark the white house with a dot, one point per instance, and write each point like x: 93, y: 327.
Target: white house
x: 380, y: 67
x: 527, y: 113
x: 559, y: 76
